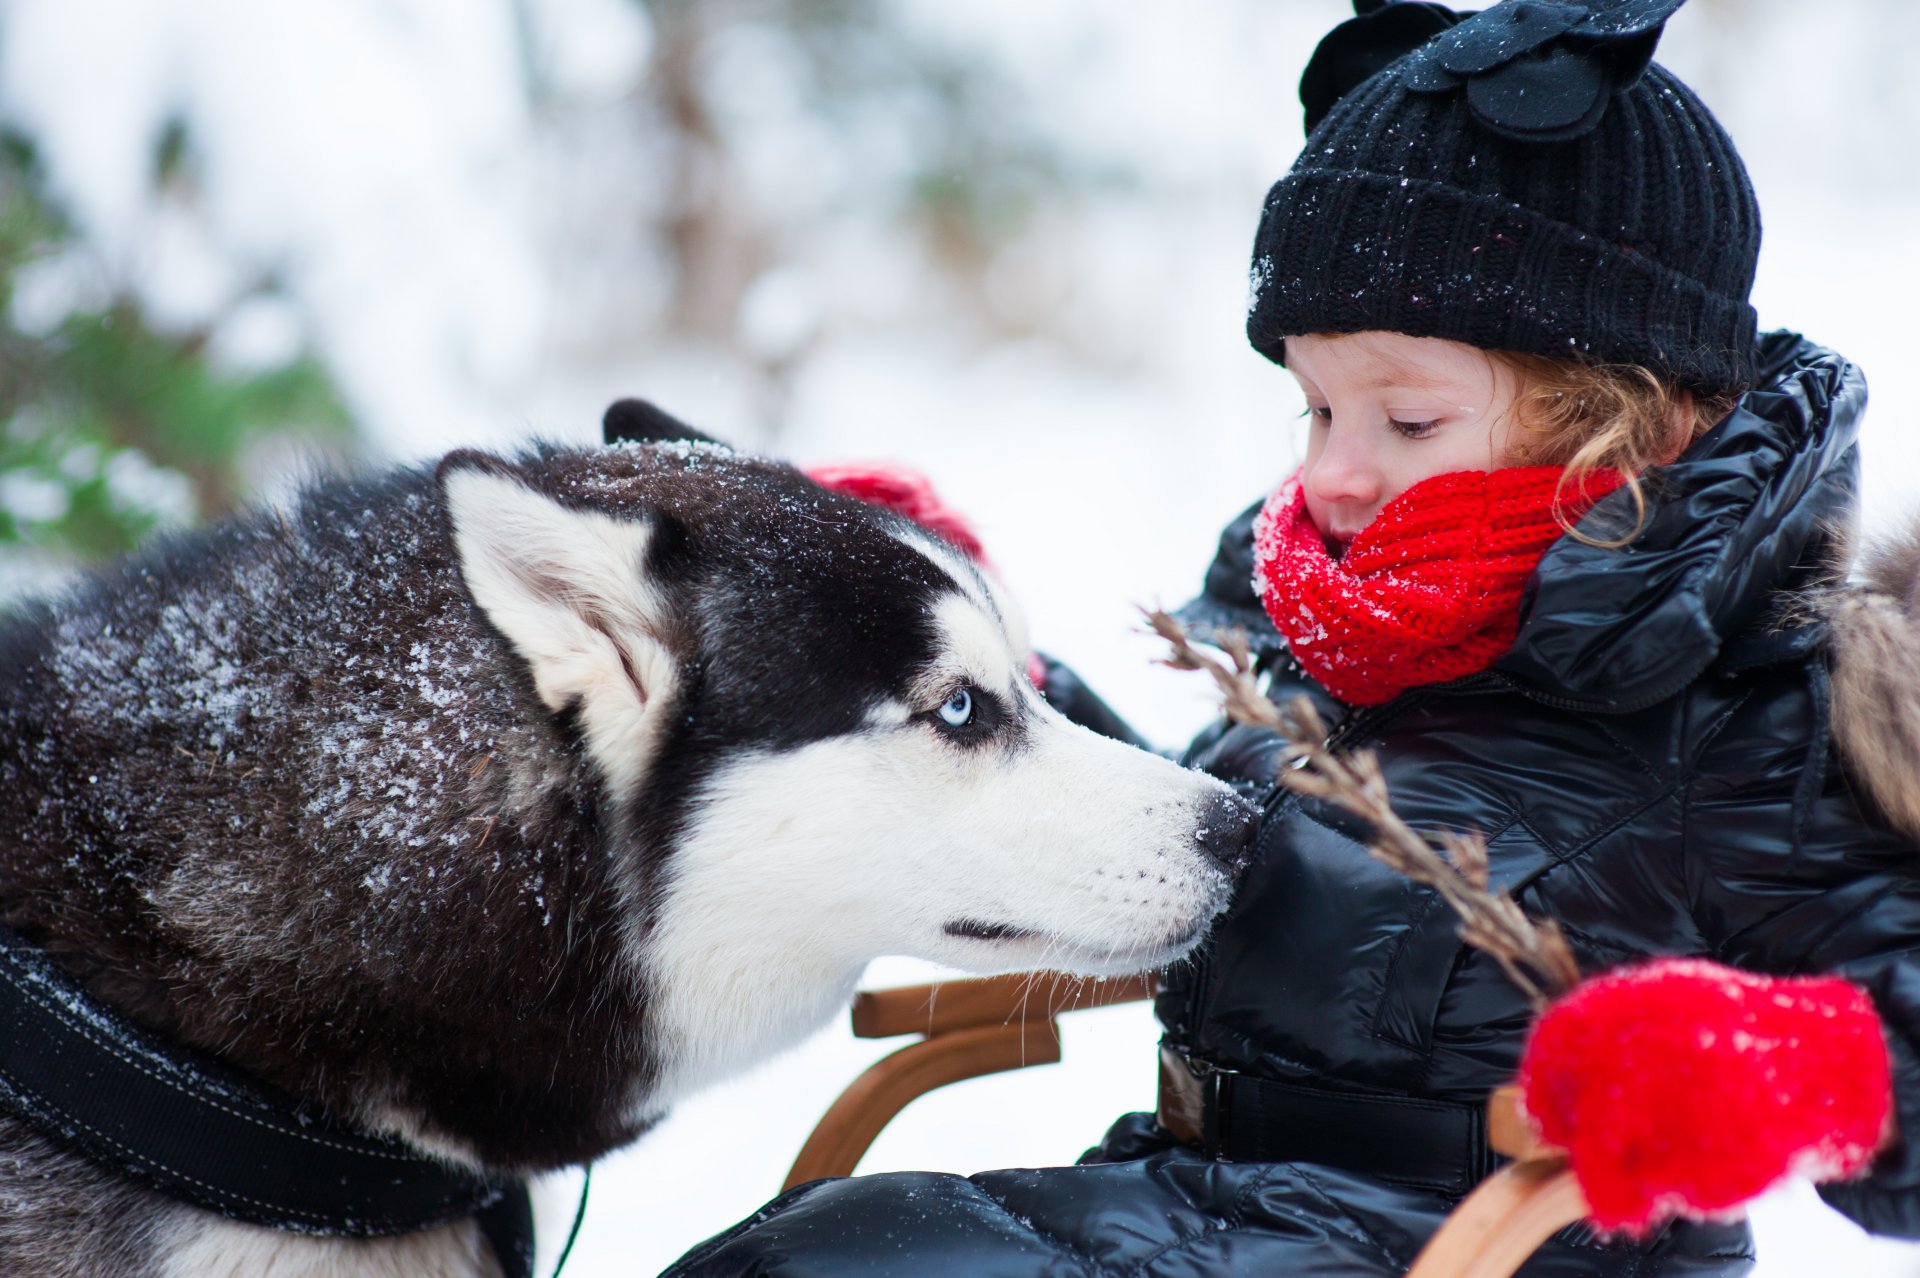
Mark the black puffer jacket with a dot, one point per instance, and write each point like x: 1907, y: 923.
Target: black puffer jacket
x: 1652, y: 768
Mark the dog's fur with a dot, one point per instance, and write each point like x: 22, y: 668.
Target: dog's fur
x: 500, y: 805
x: 1875, y: 625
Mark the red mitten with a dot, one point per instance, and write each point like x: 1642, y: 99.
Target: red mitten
x: 1681, y: 1087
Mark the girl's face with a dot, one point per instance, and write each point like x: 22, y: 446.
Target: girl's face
x: 1390, y: 410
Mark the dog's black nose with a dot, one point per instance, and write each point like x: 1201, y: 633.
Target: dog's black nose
x: 1227, y: 828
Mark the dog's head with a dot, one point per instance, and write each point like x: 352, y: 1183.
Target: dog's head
x: 818, y: 739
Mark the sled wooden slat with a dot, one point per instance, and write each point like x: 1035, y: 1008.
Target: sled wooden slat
x: 987, y: 1000
x: 1508, y: 1131
x: 1501, y: 1223
x: 982, y: 1025
x: 1496, y: 1227
x: 849, y: 1126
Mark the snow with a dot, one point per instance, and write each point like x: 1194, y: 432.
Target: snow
x: 28, y: 497
x: 450, y: 254
x: 134, y: 483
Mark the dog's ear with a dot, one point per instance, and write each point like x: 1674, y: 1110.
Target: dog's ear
x: 569, y: 589
x: 635, y: 421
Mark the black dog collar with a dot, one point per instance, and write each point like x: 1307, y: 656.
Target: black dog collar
x: 200, y: 1133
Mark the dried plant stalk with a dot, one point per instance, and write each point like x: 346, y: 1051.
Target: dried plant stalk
x: 1533, y: 954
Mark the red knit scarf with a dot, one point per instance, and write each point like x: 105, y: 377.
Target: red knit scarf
x: 1429, y: 591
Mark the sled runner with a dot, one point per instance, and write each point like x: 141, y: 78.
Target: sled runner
x: 969, y: 1028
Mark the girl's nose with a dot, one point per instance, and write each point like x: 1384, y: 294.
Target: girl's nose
x: 1343, y: 473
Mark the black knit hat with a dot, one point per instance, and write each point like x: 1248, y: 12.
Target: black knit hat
x: 1521, y: 179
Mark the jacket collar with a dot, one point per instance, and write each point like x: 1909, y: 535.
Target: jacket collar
x: 1743, y: 517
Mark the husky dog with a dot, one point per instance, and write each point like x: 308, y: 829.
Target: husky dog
x: 500, y: 804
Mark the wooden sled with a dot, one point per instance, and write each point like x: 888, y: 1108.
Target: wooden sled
x: 988, y: 1025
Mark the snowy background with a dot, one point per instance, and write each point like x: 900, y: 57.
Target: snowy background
x: 1004, y: 243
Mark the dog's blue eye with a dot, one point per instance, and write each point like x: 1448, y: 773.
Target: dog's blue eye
x: 957, y: 709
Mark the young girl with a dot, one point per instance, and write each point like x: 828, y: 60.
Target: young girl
x: 1548, y: 558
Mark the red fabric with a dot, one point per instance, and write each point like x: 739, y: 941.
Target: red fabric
x: 906, y: 491
x: 1681, y: 1087
x: 910, y: 493
x: 1429, y: 591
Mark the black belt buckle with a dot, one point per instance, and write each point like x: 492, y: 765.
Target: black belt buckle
x: 1419, y: 1142
x: 1214, y: 1093
x: 1190, y: 1092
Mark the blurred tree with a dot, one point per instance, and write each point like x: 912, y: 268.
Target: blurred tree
x: 944, y: 138
x: 111, y: 427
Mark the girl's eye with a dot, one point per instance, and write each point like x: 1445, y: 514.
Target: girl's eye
x: 1413, y: 430
x: 957, y: 710
x: 1320, y: 412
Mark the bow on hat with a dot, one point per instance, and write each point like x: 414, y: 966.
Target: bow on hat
x: 1531, y: 70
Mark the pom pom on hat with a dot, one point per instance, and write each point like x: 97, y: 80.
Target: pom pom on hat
x: 1684, y: 1088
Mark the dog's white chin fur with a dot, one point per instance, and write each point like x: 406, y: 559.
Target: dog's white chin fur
x: 803, y: 866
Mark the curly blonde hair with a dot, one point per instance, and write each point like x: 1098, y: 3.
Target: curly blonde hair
x: 1588, y: 417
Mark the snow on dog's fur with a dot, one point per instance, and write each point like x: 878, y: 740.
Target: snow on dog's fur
x: 500, y: 805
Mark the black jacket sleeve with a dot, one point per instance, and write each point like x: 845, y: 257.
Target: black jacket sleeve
x: 1246, y: 758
